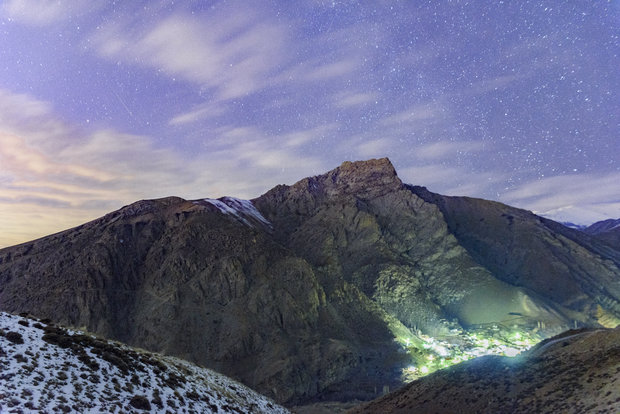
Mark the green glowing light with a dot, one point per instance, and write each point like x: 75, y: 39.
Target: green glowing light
x: 430, y: 354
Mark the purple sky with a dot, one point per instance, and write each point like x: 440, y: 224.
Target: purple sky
x: 103, y: 103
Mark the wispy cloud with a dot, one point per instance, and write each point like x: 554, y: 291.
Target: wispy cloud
x: 451, y: 180
x: 430, y: 175
x: 234, y: 54
x: 327, y: 71
x: 47, y: 12
x: 198, y: 113
x: 417, y: 113
x: 568, y: 189
x: 26, y: 161
x: 304, y: 136
x: 493, y: 84
x: 352, y: 99
x: 572, y: 197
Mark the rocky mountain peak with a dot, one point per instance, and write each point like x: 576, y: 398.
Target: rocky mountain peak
x: 363, y: 179
x: 328, y: 288
x: 360, y: 176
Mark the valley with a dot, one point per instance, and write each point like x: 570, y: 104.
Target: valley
x: 336, y: 288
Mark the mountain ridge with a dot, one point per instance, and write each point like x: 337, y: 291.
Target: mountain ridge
x: 315, y: 290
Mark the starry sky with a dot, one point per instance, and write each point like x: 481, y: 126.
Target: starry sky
x: 103, y: 103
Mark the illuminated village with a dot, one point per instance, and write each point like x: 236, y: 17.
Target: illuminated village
x: 429, y: 354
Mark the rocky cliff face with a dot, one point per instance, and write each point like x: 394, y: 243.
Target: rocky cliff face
x: 205, y: 281
x: 308, y: 291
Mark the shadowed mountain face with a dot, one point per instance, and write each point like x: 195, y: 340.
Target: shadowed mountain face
x: 304, y: 292
x: 603, y: 226
x: 578, y: 371
x: 607, y: 231
x: 561, y: 265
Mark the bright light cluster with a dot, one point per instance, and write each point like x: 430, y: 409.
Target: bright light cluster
x: 434, y: 354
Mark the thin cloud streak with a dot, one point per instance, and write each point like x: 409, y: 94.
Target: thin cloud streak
x: 350, y: 99
x: 45, y: 12
x: 570, y: 197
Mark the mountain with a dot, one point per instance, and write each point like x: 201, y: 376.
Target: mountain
x: 331, y: 288
x: 603, y: 226
x: 538, y: 254
x: 48, y: 368
x: 608, y: 231
x: 578, y: 371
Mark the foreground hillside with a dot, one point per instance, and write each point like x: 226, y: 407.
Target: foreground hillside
x: 332, y: 288
x: 576, y: 372
x: 45, y: 368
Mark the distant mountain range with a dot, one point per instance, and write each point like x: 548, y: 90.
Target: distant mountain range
x: 337, y: 287
x: 607, y: 231
x: 47, y: 368
x: 605, y: 226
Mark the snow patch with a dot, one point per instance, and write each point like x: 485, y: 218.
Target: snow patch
x: 243, y: 210
x: 71, y: 371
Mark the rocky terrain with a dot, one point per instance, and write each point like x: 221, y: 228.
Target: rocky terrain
x: 575, y: 372
x: 46, y: 368
x: 332, y: 288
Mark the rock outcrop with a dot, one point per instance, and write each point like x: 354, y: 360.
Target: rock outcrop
x: 304, y: 292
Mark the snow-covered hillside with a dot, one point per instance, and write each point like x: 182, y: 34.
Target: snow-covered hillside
x: 44, y: 368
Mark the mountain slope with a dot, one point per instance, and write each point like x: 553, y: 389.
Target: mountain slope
x: 525, y: 250
x: 607, y: 231
x: 578, y: 371
x: 603, y: 226
x: 328, y: 288
x: 48, y: 368
x: 194, y: 280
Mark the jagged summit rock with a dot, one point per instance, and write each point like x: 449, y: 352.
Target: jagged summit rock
x: 364, y: 178
x: 314, y: 290
x: 355, y: 178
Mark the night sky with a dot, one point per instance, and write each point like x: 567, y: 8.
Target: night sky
x: 103, y: 103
